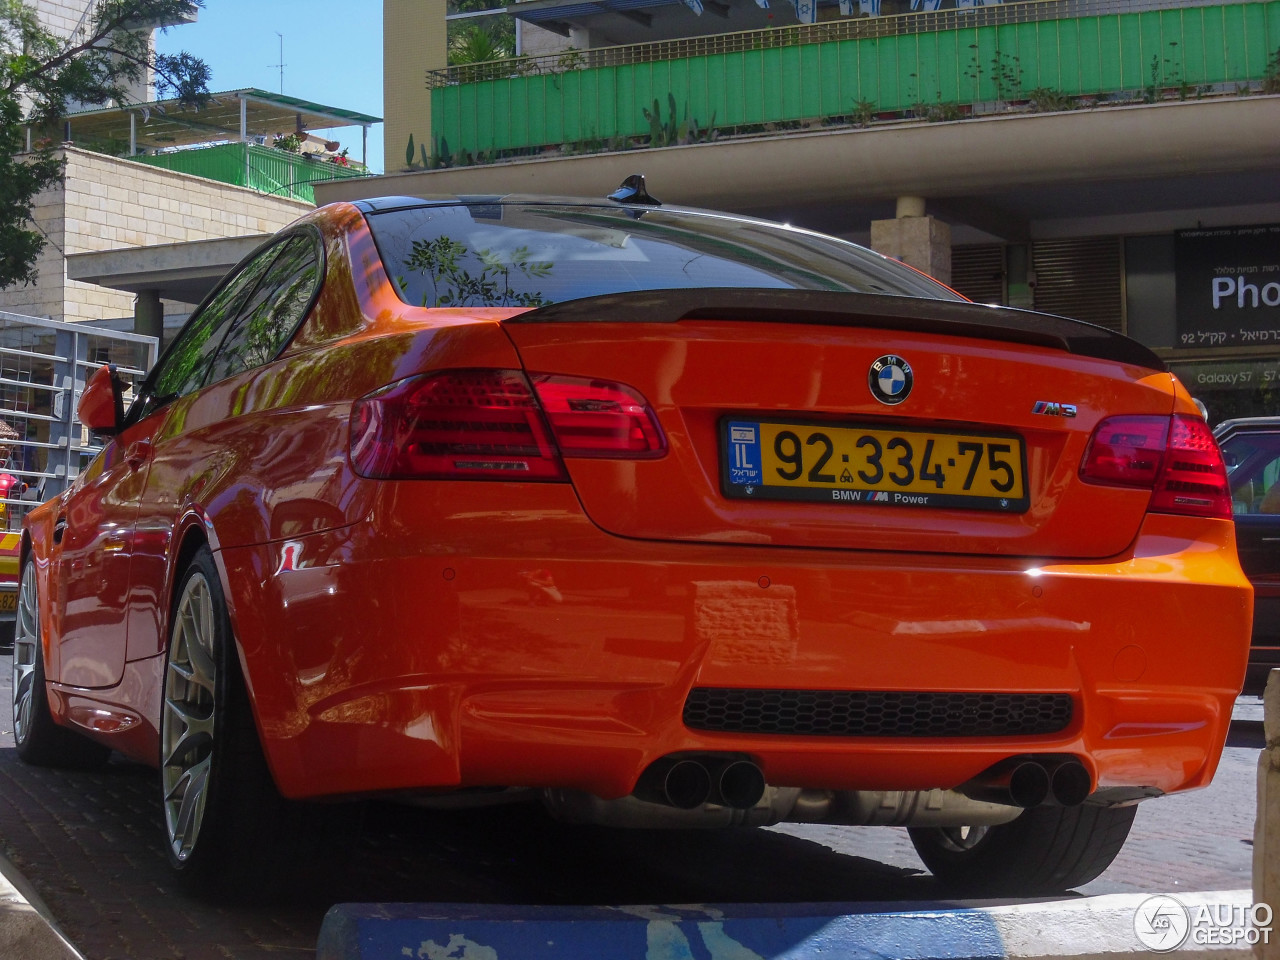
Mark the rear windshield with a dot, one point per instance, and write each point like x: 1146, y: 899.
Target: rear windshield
x: 514, y: 254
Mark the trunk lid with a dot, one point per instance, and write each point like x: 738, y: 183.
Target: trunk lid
x: 976, y: 455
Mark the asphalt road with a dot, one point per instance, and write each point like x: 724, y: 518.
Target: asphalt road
x: 91, y: 845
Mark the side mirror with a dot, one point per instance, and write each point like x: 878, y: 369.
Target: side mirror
x: 102, y: 402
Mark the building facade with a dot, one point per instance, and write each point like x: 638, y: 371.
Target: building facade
x: 1111, y: 160
x: 145, y: 179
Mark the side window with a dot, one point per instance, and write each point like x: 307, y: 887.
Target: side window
x: 1268, y: 488
x: 183, y: 366
x: 267, y: 320
x: 1253, y: 470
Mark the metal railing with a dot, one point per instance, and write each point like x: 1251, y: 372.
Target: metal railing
x: 44, y: 365
x: 264, y: 169
x: 771, y: 38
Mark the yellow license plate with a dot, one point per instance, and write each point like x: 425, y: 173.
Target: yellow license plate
x: 8, y: 602
x: 853, y: 464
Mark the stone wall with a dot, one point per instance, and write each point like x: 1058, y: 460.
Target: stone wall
x: 107, y: 203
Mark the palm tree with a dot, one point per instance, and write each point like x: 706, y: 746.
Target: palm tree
x: 475, y: 44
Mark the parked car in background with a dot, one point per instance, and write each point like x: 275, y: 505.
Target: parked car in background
x: 659, y: 517
x: 1251, y: 448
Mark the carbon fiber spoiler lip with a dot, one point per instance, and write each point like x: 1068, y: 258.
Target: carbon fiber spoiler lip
x: 834, y: 309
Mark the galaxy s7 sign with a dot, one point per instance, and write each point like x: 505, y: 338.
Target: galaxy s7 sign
x: 1228, y: 286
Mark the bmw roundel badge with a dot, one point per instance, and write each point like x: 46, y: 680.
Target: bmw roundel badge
x: 890, y: 379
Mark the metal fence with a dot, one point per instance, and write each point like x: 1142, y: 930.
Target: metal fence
x: 43, y: 368
x: 772, y: 38
x: 1187, y: 51
x: 264, y: 169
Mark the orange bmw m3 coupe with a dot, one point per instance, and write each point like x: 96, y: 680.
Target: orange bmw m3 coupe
x: 659, y: 517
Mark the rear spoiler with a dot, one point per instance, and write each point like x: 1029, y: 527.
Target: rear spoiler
x: 824, y: 308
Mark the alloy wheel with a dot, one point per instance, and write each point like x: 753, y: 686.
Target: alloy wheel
x: 187, y: 726
x: 26, y: 638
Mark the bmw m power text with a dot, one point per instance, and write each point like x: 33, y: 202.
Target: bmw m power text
x: 658, y: 517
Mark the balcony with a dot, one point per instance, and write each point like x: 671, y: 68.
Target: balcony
x: 264, y: 169
x: 948, y: 65
x: 217, y: 139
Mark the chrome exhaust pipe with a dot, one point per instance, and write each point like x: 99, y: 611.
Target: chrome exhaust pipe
x: 681, y: 783
x: 740, y: 784
x: 1070, y: 783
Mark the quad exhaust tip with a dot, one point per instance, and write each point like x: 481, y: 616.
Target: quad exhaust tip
x: 1029, y: 784
x: 1071, y: 783
x: 1032, y: 781
x: 689, y: 782
x: 740, y: 785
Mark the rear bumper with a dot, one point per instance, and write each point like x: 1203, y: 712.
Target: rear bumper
x: 551, y: 654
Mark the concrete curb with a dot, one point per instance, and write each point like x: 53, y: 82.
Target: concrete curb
x: 1096, y: 927
x: 27, y: 929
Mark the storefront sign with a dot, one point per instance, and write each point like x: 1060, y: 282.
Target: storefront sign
x: 1228, y: 375
x: 1228, y: 286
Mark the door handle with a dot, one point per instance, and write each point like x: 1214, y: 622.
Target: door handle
x: 59, y: 528
x: 138, y: 453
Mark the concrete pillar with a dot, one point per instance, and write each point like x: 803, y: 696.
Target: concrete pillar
x: 579, y: 37
x: 148, y: 314
x: 909, y: 207
x: 1266, y: 828
x: 915, y: 238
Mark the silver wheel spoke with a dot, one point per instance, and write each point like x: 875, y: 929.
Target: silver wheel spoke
x: 188, y: 723
x: 188, y: 798
x: 196, y: 731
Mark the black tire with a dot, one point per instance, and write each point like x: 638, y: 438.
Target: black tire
x: 39, y: 740
x: 227, y: 829
x: 1046, y: 850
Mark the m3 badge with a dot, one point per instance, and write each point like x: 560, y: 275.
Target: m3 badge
x: 1049, y: 409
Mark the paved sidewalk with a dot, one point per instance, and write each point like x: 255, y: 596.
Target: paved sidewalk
x: 27, y: 929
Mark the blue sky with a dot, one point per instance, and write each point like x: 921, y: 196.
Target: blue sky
x: 332, y: 54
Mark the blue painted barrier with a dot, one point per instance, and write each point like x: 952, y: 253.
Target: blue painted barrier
x: 692, y: 932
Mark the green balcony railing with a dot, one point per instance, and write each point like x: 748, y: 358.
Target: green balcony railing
x: 263, y: 169
x: 732, y: 85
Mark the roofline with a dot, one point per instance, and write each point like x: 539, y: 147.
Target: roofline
x: 345, y: 117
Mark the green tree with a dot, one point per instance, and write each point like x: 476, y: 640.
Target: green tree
x: 41, y: 73
x: 480, y: 39
x: 477, y: 44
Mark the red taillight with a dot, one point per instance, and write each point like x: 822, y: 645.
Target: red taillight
x: 490, y: 425
x: 1174, y: 457
x: 456, y: 425
x: 596, y: 418
x: 1126, y: 451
